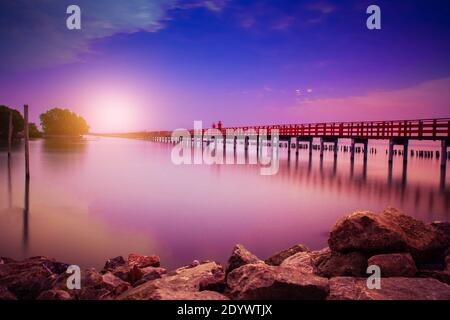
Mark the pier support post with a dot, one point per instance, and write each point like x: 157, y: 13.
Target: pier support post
x: 27, y: 152
x: 335, y: 148
x: 10, y: 132
x: 405, y: 151
x: 246, y: 142
x: 352, y: 150
x: 289, y: 147
x: 297, y: 147
x: 391, y: 151
x: 321, y: 147
x: 444, y: 146
x: 366, y: 150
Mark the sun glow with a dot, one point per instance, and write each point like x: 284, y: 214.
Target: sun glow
x: 113, y: 112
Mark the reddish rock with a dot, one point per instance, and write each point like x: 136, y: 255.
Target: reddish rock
x: 213, y: 282
x: 444, y: 228
x: 442, y: 276
x: 169, y: 294
x: 150, y: 273
x: 28, y: 278
x: 341, y: 264
x: 135, y: 275
x: 114, y: 263
x: 5, y: 260
x: 301, y: 261
x: 394, y: 264
x: 239, y: 257
x: 277, y: 258
x: 54, y: 295
x: 346, y: 288
x: 183, y: 283
x: 143, y: 261
x: 447, y: 263
x: 262, y: 282
x: 386, y: 232
x: 328, y: 264
x: 94, y: 286
x: 5, y: 294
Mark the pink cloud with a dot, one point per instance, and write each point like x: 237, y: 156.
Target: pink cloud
x: 429, y: 99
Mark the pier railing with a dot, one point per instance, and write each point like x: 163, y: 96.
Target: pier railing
x: 417, y: 129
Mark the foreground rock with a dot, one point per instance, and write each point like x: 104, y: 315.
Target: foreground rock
x: 5, y: 294
x: 239, y: 257
x: 183, y: 283
x: 279, y: 257
x: 54, y: 295
x: 94, y: 286
x: 395, y: 264
x: 143, y: 261
x: 28, y: 278
x: 347, y: 288
x: 387, y: 232
x: 447, y: 263
x: 326, y: 263
x: 444, y: 228
x: 262, y: 282
x: 136, y: 270
x: 442, y: 276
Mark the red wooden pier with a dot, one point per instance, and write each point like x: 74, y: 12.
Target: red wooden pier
x: 398, y: 132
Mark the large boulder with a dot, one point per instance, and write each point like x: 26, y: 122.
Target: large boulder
x: 444, y: 228
x: 54, y: 295
x: 442, y: 276
x: 5, y: 294
x: 184, y: 282
x: 326, y: 263
x: 239, y: 257
x: 114, y: 263
x: 136, y: 270
x: 28, y: 278
x: 301, y: 261
x: 386, y: 232
x: 262, y: 282
x: 352, y: 264
x: 93, y: 285
x: 447, y: 263
x: 277, y: 258
x: 394, y: 264
x: 143, y: 261
x: 148, y: 274
x: 169, y: 294
x: 347, y: 288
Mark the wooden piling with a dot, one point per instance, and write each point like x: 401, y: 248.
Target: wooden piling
x: 26, y: 137
x: 10, y: 133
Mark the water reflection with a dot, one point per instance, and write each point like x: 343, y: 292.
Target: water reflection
x: 26, y: 213
x: 106, y: 197
x: 9, y: 184
x: 65, y: 145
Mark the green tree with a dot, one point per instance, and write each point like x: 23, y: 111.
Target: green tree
x: 63, y: 122
x: 33, y: 131
x: 18, y: 123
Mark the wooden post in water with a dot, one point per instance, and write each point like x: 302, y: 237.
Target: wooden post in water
x: 10, y: 132
x: 26, y: 137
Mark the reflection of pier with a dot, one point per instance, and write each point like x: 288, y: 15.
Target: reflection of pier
x: 26, y: 207
x: 420, y: 196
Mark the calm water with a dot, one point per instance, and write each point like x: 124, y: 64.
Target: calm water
x: 95, y: 199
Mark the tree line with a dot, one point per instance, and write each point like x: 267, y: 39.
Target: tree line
x: 54, y: 122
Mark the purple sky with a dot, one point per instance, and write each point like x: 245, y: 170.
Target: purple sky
x: 161, y: 64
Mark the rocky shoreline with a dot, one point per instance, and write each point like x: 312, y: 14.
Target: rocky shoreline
x: 413, y: 257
